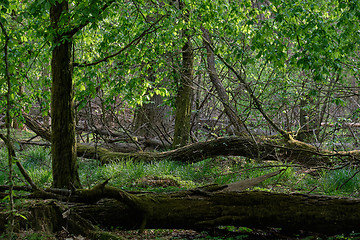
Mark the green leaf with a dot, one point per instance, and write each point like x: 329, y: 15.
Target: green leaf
x: 20, y: 215
x: 2, y: 81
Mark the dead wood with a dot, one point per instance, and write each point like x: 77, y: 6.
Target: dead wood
x: 230, y: 111
x: 36, y: 127
x: 261, y: 148
x: 245, y: 184
x: 207, y: 210
x: 43, y: 144
x: 52, y: 215
x: 129, y: 146
x: 18, y: 164
x: 200, y: 209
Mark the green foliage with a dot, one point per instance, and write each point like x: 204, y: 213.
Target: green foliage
x: 129, y: 174
x: 285, y: 43
x: 31, y: 235
x: 341, y: 181
x: 126, y: 174
x: 36, y: 157
x: 296, y: 56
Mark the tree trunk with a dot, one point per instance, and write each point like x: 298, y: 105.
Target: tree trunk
x: 202, y: 210
x: 230, y: 111
x: 151, y: 119
x: 183, y: 98
x: 260, y: 149
x: 199, y: 209
x: 64, y: 164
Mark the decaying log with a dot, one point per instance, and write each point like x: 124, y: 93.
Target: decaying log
x: 36, y: 127
x: 199, y: 209
x: 206, y: 210
x: 261, y: 148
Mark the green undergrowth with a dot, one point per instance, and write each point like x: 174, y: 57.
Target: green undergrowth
x: 168, y: 175
x: 165, y: 176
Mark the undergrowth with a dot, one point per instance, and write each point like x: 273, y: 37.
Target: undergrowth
x: 171, y: 176
x: 160, y: 176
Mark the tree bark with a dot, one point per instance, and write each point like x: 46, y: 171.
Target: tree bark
x: 260, y: 149
x: 183, y: 98
x: 230, y: 111
x: 202, y: 210
x: 199, y: 209
x: 64, y: 164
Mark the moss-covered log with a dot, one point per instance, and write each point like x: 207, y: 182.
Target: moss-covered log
x: 200, y: 209
x: 205, y: 210
x: 261, y: 149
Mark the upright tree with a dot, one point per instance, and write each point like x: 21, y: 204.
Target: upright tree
x: 184, y: 95
x: 63, y: 145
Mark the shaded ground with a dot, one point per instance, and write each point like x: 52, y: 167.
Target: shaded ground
x: 169, y: 234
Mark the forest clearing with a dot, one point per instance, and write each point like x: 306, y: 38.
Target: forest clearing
x: 179, y: 119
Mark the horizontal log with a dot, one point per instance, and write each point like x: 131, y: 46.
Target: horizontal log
x: 204, y: 211
x: 261, y: 148
x: 200, y: 209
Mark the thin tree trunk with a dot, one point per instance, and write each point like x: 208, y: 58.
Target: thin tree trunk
x: 230, y: 111
x: 151, y: 117
x: 8, y: 123
x: 64, y: 162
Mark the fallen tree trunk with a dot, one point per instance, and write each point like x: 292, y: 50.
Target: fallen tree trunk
x: 205, y: 208
x: 256, y: 148
x: 200, y: 209
x: 205, y: 211
x: 260, y: 149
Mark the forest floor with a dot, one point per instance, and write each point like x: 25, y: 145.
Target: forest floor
x: 178, y: 234
x: 168, y: 176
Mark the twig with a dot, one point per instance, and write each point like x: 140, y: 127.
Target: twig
x: 348, y: 180
x: 313, y: 189
x: 266, y: 166
x: 258, y: 105
x: 18, y: 164
x: 134, y: 41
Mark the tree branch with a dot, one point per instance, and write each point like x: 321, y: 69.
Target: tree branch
x: 134, y: 41
x: 73, y: 31
x: 18, y: 164
x: 258, y: 105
